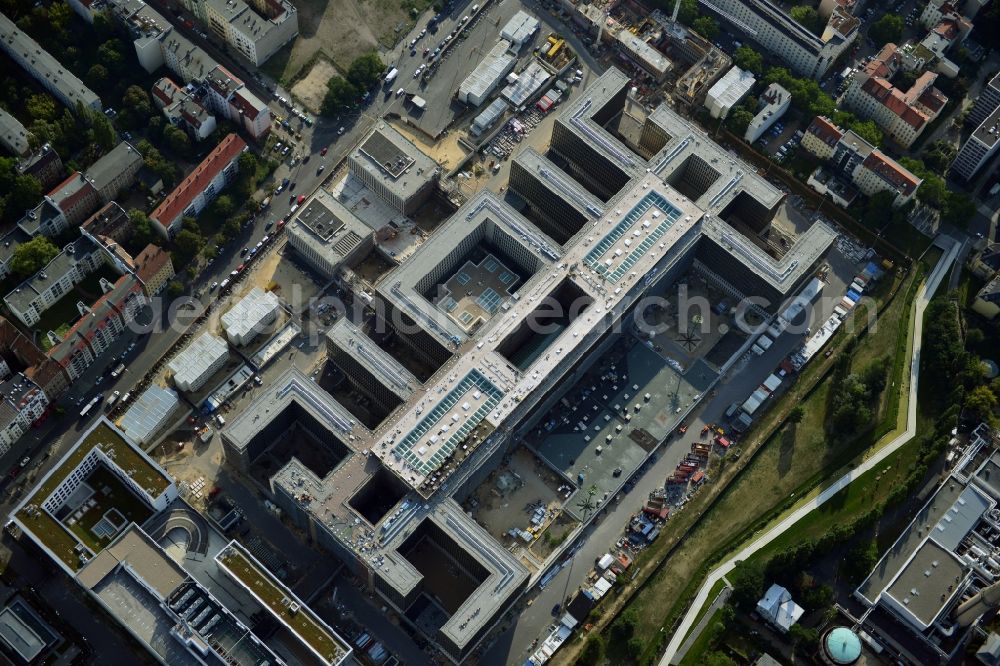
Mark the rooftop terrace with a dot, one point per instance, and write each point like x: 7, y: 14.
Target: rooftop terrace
x: 106, y: 439
x: 283, y: 604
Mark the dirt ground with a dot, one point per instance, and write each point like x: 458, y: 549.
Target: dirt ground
x: 311, y: 88
x: 277, y: 273
x: 447, y: 152
x: 340, y: 30
x: 498, y: 511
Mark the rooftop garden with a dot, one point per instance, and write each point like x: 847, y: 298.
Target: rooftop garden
x: 51, y: 532
x: 276, y: 597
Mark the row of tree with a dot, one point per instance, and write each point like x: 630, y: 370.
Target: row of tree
x: 343, y: 92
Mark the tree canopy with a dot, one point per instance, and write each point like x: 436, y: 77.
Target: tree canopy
x: 706, y: 26
x: 340, y: 95
x: 747, y: 58
x: 889, y: 28
x: 32, y: 256
x: 808, y: 17
x: 366, y: 70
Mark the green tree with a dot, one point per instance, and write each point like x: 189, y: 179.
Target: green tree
x: 40, y: 107
x: 959, y: 209
x: 749, y: 59
x: 97, y: 76
x: 887, y: 29
x: 797, y: 414
x: 188, y: 244
x: 224, y: 205
x: 142, y: 228
x: 867, y: 130
x: 593, y: 651
x: 706, y: 26
x: 110, y: 54
x: 808, y: 17
x: 30, y: 257
x: 175, y: 288
x: 100, y: 130
x: 716, y: 658
x: 739, y: 119
x: 25, y: 193
x: 365, y: 70
x: 623, y: 628
x: 178, y: 140
x: 804, y: 638
x: 340, y: 94
x: 136, y: 108
x: 938, y: 156
x: 878, y: 209
x: 980, y: 402
x: 748, y: 584
x: 688, y: 11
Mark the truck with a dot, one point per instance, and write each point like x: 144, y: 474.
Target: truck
x: 419, y: 102
x: 118, y: 370
x: 391, y: 76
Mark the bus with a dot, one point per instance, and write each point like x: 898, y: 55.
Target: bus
x: 89, y: 407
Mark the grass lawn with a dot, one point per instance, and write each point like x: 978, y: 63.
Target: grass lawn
x: 119, y: 497
x: 64, y: 312
x: 52, y: 533
x: 712, y: 594
x: 790, y: 463
x: 712, y: 633
x: 853, y: 501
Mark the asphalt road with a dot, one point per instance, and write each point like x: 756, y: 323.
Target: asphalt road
x: 930, y: 287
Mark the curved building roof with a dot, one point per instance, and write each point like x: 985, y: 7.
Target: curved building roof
x: 843, y: 646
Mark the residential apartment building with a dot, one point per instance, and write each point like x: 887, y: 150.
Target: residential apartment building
x: 20, y: 354
x: 109, y: 224
x: 103, y: 323
x: 257, y: 32
x: 13, y: 135
x: 200, y: 187
x: 77, y: 197
x: 158, y: 43
x: 903, y: 115
x: 771, y: 27
x: 49, y: 72
x: 229, y: 97
x: 154, y: 269
x: 38, y: 293
x: 115, y: 171
x: 22, y: 402
x: 45, y: 165
x: 987, y: 102
x: 978, y: 149
x: 856, y: 162
x: 772, y: 105
x: 182, y: 108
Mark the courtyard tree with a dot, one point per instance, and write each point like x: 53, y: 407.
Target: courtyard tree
x: 749, y: 59
x: 887, y: 29
x: 32, y: 256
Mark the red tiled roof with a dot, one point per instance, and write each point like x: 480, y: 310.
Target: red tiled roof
x: 892, y: 172
x: 946, y: 29
x: 151, y: 261
x: 182, y: 196
x: 243, y: 105
x: 933, y: 99
x: 71, y: 191
x: 824, y: 130
x: 893, y: 99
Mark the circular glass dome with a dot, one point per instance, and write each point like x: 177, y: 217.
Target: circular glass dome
x: 843, y: 646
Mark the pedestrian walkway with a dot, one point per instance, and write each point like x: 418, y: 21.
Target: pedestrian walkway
x: 673, y: 654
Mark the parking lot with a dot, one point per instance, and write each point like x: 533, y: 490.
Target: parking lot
x: 458, y: 61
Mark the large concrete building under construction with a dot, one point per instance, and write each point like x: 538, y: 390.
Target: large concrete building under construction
x: 506, y: 305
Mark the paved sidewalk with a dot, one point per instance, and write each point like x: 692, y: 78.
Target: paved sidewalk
x: 930, y: 286
x: 720, y: 599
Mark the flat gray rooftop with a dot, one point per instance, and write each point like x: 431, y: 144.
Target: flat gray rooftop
x: 390, y: 158
x: 292, y: 386
x: 383, y: 367
x: 927, y: 583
